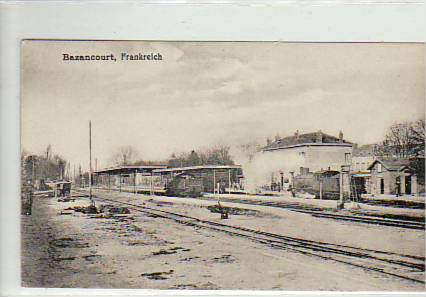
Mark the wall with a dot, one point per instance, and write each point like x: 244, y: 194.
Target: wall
x: 322, y: 157
x: 360, y: 164
x: 268, y: 165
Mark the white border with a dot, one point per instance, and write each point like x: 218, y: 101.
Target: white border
x: 307, y: 21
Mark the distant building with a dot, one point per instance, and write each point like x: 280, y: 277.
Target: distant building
x: 362, y: 157
x: 395, y: 177
x: 307, y: 152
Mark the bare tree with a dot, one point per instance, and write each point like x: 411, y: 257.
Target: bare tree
x: 219, y: 155
x: 418, y: 136
x: 249, y: 150
x: 216, y: 155
x: 124, y: 155
x: 403, y: 140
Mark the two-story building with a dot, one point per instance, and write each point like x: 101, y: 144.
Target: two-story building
x: 362, y: 157
x: 306, y: 152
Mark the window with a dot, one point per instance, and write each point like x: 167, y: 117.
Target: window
x: 348, y: 158
x: 379, y: 167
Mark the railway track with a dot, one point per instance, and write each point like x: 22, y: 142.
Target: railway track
x: 400, y: 266
x: 319, y: 212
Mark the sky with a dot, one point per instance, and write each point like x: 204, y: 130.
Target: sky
x: 206, y: 93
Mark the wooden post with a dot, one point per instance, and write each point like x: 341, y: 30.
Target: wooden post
x: 229, y: 181
x: 134, y: 182
x: 120, y: 182
x: 341, y: 186
x: 90, y: 161
x: 33, y: 172
x: 214, y: 181
x: 320, y: 188
x: 151, y: 190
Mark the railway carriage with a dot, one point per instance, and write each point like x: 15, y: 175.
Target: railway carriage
x: 185, y: 185
x: 325, y: 181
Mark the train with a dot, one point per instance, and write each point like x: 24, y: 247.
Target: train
x: 185, y: 185
x: 325, y: 181
x: 326, y: 184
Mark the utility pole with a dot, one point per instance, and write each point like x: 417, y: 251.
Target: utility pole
x: 214, y: 181
x: 33, y: 171
x: 90, y: 161
x: 229, y: 181
x: 152, y: 185
x: 341, y: 186
x: 96, y: 172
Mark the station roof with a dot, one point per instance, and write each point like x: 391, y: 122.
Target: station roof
x: 391, y: 164
x: 130, y: 169
x: 200, y: 167
x: 58, y: 182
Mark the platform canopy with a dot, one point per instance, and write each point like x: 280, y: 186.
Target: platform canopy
x: 200, y: 167
x: 129, y: 169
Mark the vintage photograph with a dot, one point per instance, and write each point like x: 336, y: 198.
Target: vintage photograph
x: 223, y: 165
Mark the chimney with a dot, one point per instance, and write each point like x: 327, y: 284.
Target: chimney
x: 319, y: 137
x: 296, y: 134
x: 268, y: 141
x: 340, y: 136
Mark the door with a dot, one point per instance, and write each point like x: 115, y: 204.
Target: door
x: 382, y: 186
x: 408, y: 185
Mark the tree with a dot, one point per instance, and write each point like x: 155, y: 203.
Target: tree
x: 403, y: 140
x: 219, y: 155
x: 193, y: 159
x: 216, y: 155
x: 417, y: 165
x: 124, y: 155
x: 249, y: 150
x: 418, y: 136
x: 45, y: 166
x: 175, y: 161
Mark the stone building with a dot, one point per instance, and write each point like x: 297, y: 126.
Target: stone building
x: 362, y: 157
x: 394, y: 177
x: 311, y: 151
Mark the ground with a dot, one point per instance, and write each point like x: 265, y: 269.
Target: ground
x: 144, y: 252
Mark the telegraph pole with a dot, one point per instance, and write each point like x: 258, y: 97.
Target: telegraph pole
x: 90, y: 161
x: 229, y: 181
x: 96, y: 170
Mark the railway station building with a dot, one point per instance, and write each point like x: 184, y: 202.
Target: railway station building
x: 128, y: 178
x: 395, y: 177
x: 155, y: 179
x: 304, y: 153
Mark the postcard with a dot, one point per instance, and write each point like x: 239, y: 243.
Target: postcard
x: 223, y: 165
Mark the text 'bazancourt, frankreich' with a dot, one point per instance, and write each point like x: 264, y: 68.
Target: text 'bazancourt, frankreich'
x: 113, y: 57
